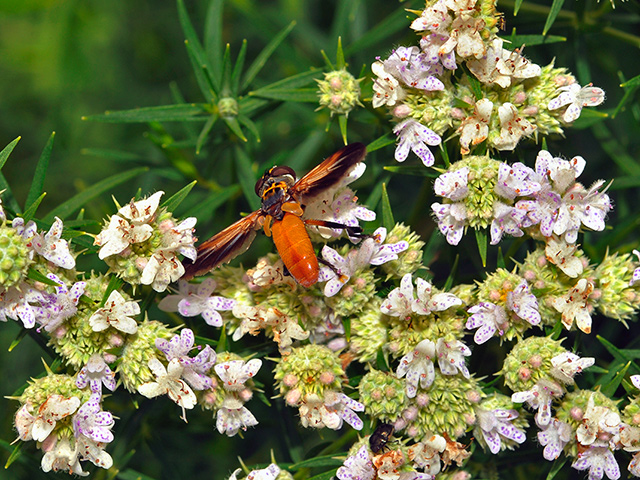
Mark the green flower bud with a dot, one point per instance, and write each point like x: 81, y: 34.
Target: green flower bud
x: 383, y: 395
x: 617, y: 299
x: 339, y: 92
x: 408, y: 261
x: 369, y: 331
x: 529, y: 361
x: 14, y: 257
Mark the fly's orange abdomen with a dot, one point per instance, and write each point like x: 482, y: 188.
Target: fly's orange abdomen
x: 294, y: 246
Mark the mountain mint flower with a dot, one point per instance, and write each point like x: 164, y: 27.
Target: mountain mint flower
x: 386, y: 88
x: 233, y: 416
x: 168, y: 382
x: 562, y: 255
x: 58, y: 307
x: 52, y: 247
x: 196, y: 299
x: 451, y: 357
x: 474, y: 129
x: 494, y: 424
x: 92, y: 422
x: 513, y: 126
x: 418, y: 367
x: 452, y: 219
x: 269, y: 473
x: 488, y: 318
x: 235, y: 373
x: 453, y: 185
x: 539, y: 398
x: 414, y: 136
x: 95, y: 374
x: 574, y: 306
x: 358, y: 466
x: 523, y: 303
x: 635, y: 278
x: 599, y: 425
x: 117, y: 313
x: 55, y: 408
x: 195, y: 369
x: 576, y: 97
x: 567, y: 365
x: 599, y: 460
x: 553, y: 437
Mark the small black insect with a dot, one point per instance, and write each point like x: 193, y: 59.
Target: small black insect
x: 379, y: 438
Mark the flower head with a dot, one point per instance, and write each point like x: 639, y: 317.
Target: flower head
x: 117, y: 313
x: 418, y: 367
x: 576, y: 97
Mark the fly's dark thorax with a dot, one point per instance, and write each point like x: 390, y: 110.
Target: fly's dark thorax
x: 273, y: 188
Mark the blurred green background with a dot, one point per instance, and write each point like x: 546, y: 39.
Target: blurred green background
x: 61, y: 60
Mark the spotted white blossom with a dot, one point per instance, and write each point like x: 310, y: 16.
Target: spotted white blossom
x: 490, y: 68
x: 196, y: 299
x: 516, y: 180
x: 451, y: 357
x: 435, y: 19
x: 506, y: 219
x: 635, y: 380
x: 233, y: 416
x: 465, y: 37
x: 451, y: 220
x: 168, y: 382
x: 95, y: 374
x: 453, y: 185
x: 514, y: 65
x: 418, y: 367
x: 345, y: 407
x: 553, y: 437
x: 269, y: 473
x: 358, y: 466
x: 164, y: 267
x: 496, y: 424
x: 599, y: 426
x: 52, y: 247
x: 474, y: 129
x: 523, y: 303
x: 195, y: 369
x: 574, y: 306
x: 488, y: 318
x: 413, y: 136
x: 235, y: 373
x: 117, y: 313
x: 567, y: 365
x: 539, y: 397
x: 431, y: 46
x: 92, y: 422
x: 58, y: 307
x: 513, y: 126
x: 575, y: 98
x: 410, y: 65
x: 64, y: 456
x: 21, y: 302
x: 426, y: 454
x: 55, y: 408
x: 386, y: 88
x: 562, y: 255
x: 598, y: 460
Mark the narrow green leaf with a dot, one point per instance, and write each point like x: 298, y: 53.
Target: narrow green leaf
x: 114, y: 284
x: 15, y: 454
x: 380, y: 33
x: 617, y: 353
x: 225, y: 89
x: 325, y: 475
x: 294, y: 81
x: 31, y: 210
x: 445, y: 155
x: 213, y: 39
x: 388, y: 221
x: 204, y: 133
x: 163, y: 113
x: 615, y: 150
x: 247, y: 177
x: 234, y: 126
x: 454, y: 268
x: 247, y: 122
x: 476, y: 86
x: 209, y: 87
x: 176, y: 199
x: 516, y: 7
x: 237, y: 69
x: 199, y: 60
x: 34, y: 274
x: 264, y: 55
x: 37, y: 184
x: 610, y: 388
x: 381, y: 142
x: 81, y: 199
x: 518, y: 41
x: 250, y: 105
x: 130, y: 474
x: 559, y: 463
x: 327, y: 60
x: 322, y: 461
x: 632, y: 82
x: 116, y: 155
x: 8, y: 199
x: 6, y: 151
x: 340, y: 63
x: 481, y: 239
x: 342, y: 121
x: 556, y: 6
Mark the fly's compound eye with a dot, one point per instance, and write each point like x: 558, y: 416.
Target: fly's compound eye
x: 274, y: 173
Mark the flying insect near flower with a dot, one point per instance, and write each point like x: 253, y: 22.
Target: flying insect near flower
x: 283, y: 203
